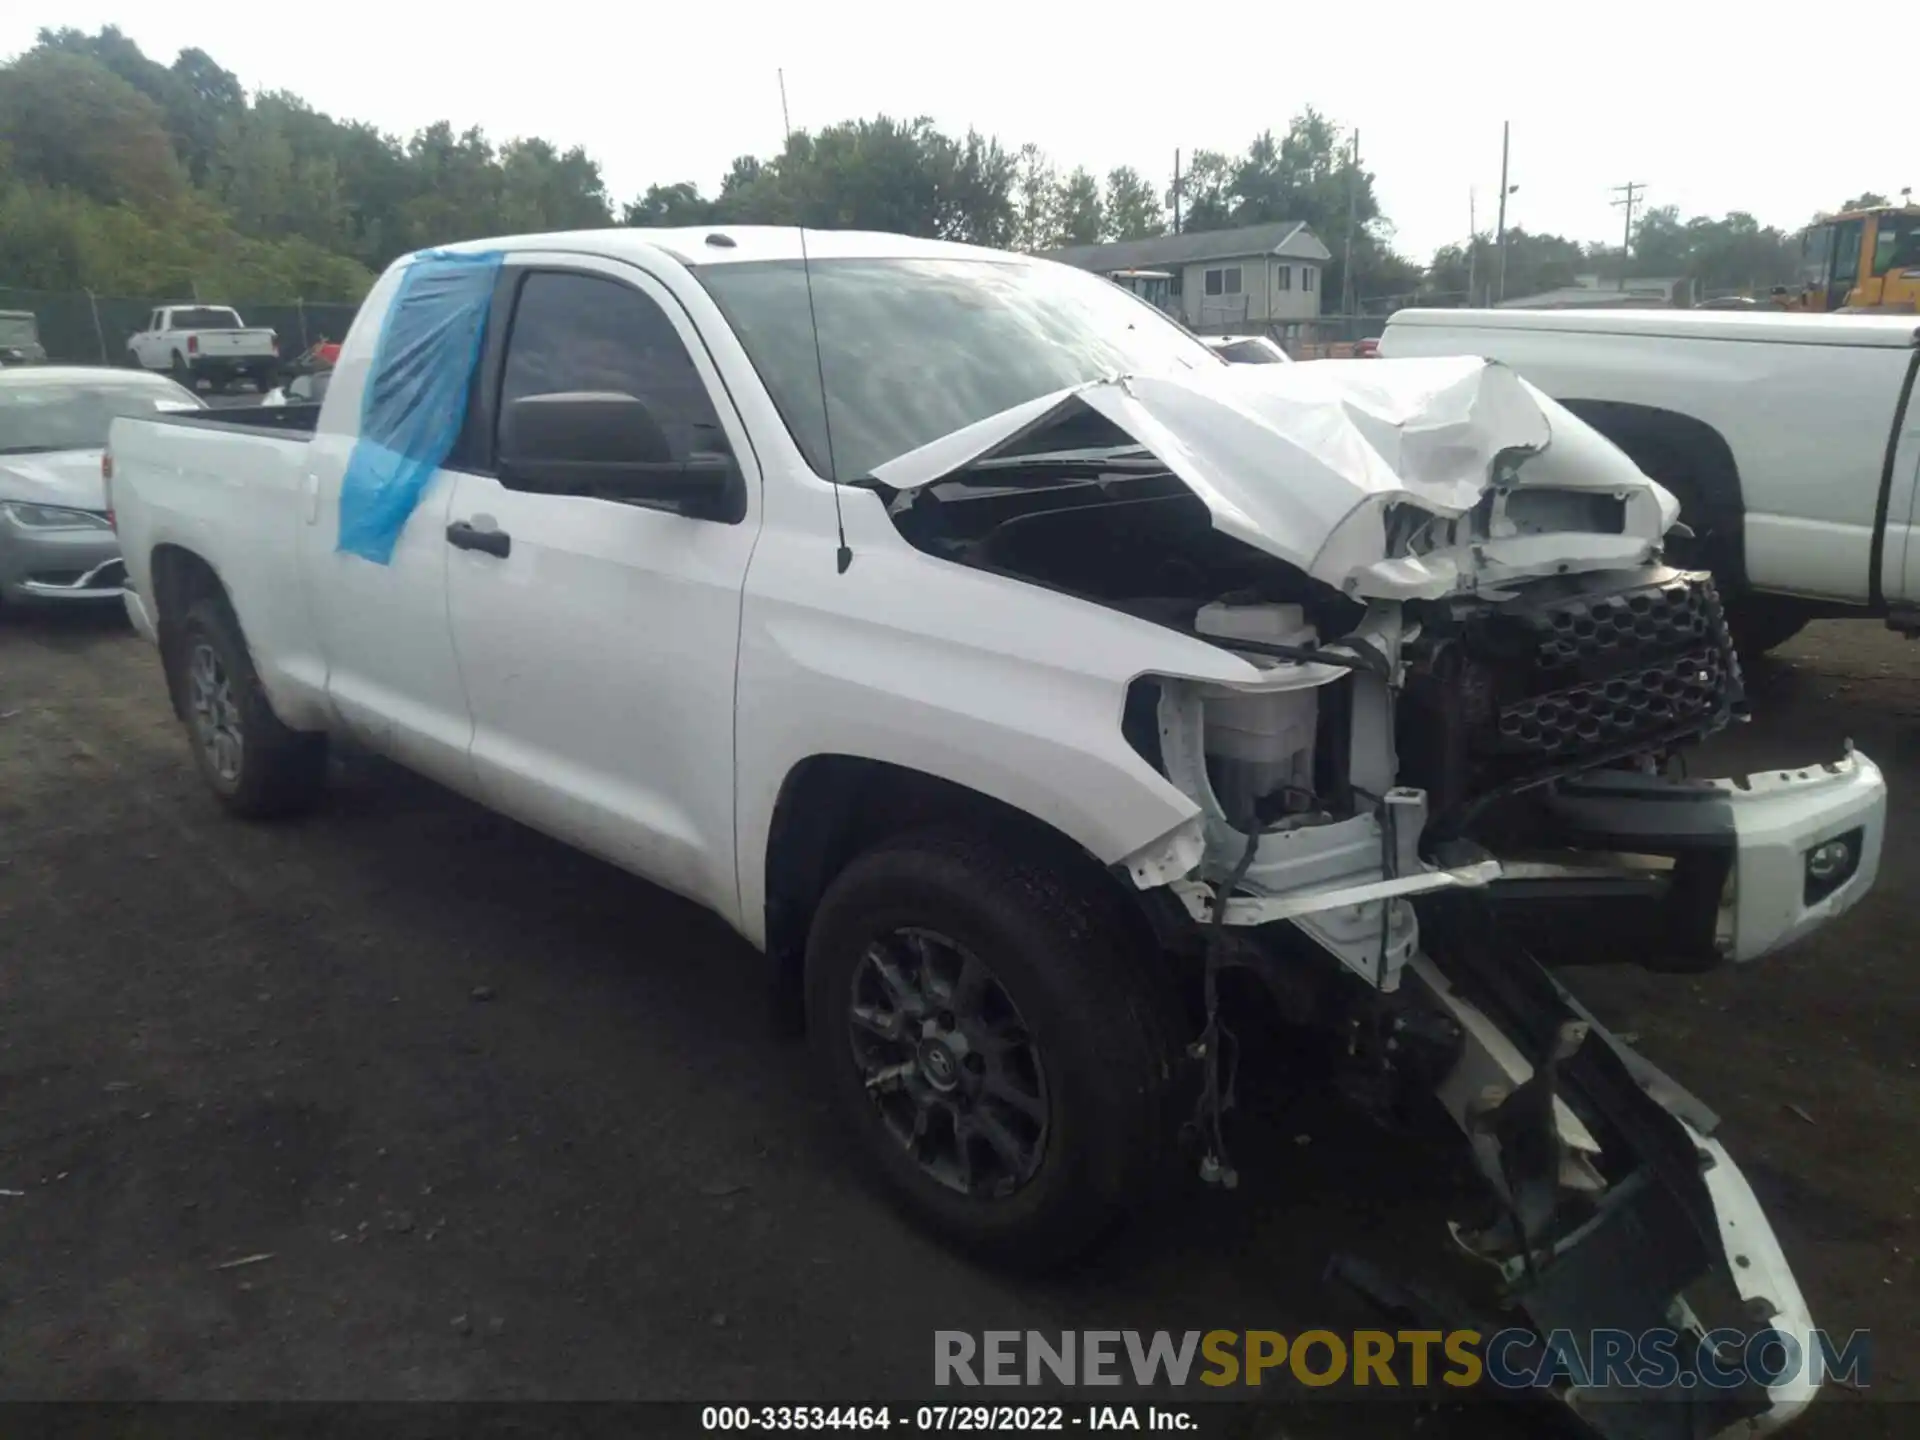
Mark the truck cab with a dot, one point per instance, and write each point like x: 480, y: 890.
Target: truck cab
x: 1861, y: 262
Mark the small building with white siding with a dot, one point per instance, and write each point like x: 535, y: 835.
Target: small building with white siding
x: 1255, y: 276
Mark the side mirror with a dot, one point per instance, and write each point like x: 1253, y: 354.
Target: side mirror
x: 609, y: 446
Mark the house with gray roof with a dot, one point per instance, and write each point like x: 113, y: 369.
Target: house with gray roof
x: 1258, y: 276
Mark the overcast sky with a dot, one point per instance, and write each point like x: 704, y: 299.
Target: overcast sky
x: 1694, y: 98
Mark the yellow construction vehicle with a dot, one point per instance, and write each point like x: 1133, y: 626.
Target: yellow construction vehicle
x: 1859, y: 262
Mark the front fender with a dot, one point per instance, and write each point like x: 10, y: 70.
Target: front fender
x: 1001, y: 687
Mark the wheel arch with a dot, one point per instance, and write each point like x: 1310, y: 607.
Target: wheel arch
x: 833, y: 807
x: 1698, y: 467
x: 179, y: 577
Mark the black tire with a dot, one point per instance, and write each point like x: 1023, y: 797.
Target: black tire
x: 1760, y: 623
x: 255, y: 766
x: 1091, y: 1009
x: 180, y: 371
x: 132, y: 359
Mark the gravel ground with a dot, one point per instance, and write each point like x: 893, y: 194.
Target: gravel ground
x: 504, y: 1123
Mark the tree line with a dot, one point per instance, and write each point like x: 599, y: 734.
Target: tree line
x: 124, y: 175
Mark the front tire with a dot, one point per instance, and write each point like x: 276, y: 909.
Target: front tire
x: 256, y: 767
x: 996, y: 1048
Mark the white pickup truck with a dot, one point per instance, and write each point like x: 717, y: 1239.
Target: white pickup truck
x: 1021, y: 678
x: 1791, y: 441
x: 205, y: 342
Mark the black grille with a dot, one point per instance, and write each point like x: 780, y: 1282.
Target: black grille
x: 1601, y: 713
x: 1571, y: 671
x: 1586, y: 674
x: 1584, y: 633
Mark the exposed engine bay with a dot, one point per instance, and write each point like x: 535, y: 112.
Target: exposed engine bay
x: 1472, y: 681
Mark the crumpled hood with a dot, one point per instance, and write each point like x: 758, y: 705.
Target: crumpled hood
x: 1304, y: 461
x: 69, y: 478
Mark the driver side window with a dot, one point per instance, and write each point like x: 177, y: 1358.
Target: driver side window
x: 576, y: 333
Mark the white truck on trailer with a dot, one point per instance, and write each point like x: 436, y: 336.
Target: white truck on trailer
x: 1010, y: 668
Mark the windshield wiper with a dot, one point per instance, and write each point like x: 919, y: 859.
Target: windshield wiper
x: 33, y: 449
x: 1129, y: 458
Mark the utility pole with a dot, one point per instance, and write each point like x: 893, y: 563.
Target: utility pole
x: 1473, y: 242
x: 1629, y: 193
x: 1348, y: 292
x: 1500, y: 240
x: 1176, y: 192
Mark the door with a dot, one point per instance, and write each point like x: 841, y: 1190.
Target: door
x: 141, y: 342
x: 599, y: 638
x: 381, y: 630
x: 1901, y: 556
x: 1846, y: 261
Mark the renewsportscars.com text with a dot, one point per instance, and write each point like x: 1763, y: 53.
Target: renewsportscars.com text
x: 1511, y: 1359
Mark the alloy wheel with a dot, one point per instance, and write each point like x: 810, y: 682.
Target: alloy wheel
x: 952, y: 1070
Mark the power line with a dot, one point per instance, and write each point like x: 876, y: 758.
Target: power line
x: 1630, y: 194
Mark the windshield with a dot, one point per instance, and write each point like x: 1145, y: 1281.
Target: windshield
x: 915, y: 349
x: 18, y: 330
x: 205, y: 318
x: 75, y: 414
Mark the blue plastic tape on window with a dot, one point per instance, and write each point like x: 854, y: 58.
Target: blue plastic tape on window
x: 415, y: 399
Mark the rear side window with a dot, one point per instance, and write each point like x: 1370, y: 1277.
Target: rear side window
x: 576, y: 333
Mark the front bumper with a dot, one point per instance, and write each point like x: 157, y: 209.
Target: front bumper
x: 1668, y: 1235
x: 58, y: 566
x: 1757, y: 833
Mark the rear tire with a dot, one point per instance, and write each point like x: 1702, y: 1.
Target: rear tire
x: 1758, y: 623
x: 256, y: 767
x: 180, y: 371
x: 1036, y: 1107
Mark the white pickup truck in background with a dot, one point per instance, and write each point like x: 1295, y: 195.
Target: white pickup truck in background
x: 192, y: 343
x: 1021, y: 678
x: 1791, y: 441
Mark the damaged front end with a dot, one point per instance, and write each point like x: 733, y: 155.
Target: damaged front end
x: 1469, y: 671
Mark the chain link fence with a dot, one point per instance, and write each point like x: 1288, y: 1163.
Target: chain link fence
x: 81, y: 328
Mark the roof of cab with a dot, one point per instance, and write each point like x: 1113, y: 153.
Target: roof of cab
x: 732, y: 244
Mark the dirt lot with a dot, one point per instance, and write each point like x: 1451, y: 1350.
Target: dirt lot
x: 510, y: 1124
